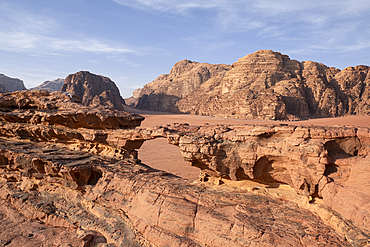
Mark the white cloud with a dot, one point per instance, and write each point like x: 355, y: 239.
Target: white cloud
x: 18, y: 41
x: 35, y: 34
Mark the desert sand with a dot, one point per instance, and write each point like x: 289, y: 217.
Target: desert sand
x: 160, y: 155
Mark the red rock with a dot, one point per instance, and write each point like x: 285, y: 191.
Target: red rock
x: 95, y: 91
x: 262, y: 85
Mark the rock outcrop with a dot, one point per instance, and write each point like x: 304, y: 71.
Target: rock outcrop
x: 11, y: 84
x: 263, y: 85
x: 54, y: 85
x: 186, y: 76
x: 3, y: 89
x: 94, y: 90
x: 134, y: 98
x: 78, y: 175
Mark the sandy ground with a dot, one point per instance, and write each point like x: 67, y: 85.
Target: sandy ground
x: 163, y: 156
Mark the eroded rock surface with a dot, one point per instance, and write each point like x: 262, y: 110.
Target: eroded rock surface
x: 185, y: 77
x: 262, y: 85
x: 84, y: 183
x: 125, y: 203
x: 95, y: 91
x: 60, y: 109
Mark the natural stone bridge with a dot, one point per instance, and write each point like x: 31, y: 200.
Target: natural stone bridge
x: 73, y: 168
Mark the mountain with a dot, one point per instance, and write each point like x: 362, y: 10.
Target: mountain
x: 262, y: 85
x: 11, y: 84
x: 94, y: 90
x: 133, y: 99
x: 54, y: 85
x: 185, y: 77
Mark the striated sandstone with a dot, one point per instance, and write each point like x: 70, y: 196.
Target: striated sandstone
x: 54, y: 108
x: 163, y: 93
x: 125, y: 203
x: 95, y: 91
x: 85, y: 183
x: 263, y: 85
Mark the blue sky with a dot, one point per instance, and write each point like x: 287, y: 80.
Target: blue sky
x: 134, y: 41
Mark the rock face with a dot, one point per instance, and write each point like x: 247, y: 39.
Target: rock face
x: 11, y: 84
x: 186, y: 76
x: 94, y: 90
x: 74, y: 173
x: 133, y: 99
x: 265, y: 85
x: 3, y: 89
x: 54, y: 85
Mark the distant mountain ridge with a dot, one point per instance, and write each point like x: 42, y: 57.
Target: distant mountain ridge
x: 261, y: 85
x: 54, y: 85
x: 11, y: 84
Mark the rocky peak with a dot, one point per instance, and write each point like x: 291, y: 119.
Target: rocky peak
x: 163, y: 93
x: 11, y: 84
x: 54, y: 85
x: 265, y: 85
x: 94, y: 90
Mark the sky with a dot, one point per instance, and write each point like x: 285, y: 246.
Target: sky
x: 134, y: 41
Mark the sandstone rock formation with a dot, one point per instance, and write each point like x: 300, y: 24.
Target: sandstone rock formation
x: 94, y: 90
x: 54, y: 85
x: 69, y: 174
x: 11, y: 84
x: 133, y: 99
x: 186, y: 76
x: 264, y: 85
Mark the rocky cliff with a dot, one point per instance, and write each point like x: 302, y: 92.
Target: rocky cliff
x: 94, y: 90
x: 54, y: 85
x: 186, y: 76
x: 264, y: 85
x: 70, y: 175
x: 11, y: 84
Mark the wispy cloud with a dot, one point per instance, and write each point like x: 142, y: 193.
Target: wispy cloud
x: 35, y: 34
x: 302, y: 21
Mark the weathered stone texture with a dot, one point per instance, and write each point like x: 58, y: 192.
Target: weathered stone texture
x: 95, y: 91
x: 76, y: 176
x: 263, y: 85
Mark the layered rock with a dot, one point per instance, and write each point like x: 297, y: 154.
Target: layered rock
x: 59, y: 109
x: 95, y: 91
x: 81, y: 177
x: 266, y: 85
x: 11, y: 84
x: 163, y: 93
x: 122, y: 203
x: 54, y: 85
